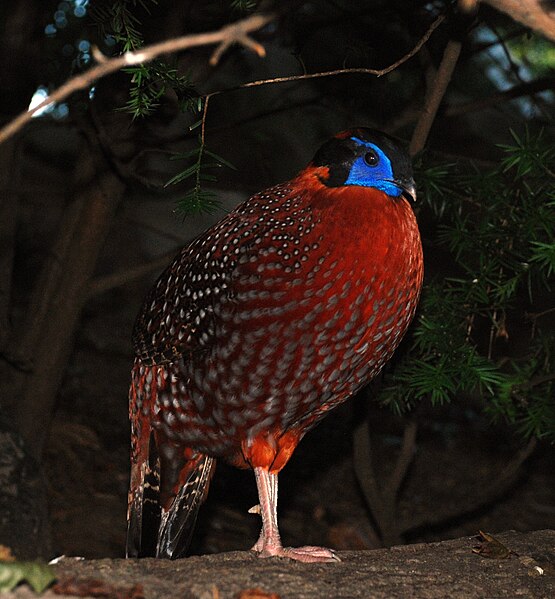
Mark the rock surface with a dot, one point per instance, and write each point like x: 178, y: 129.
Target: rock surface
x: 449, y: 569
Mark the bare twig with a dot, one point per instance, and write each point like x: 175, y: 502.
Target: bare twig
x: 242, y: 39
x: 382, y: 499
x: 234, y: 33
x: 507, y: 37
x: 305, y: 76
x: 536, y: 315
x: 347, y: 71
x: 202, y: 136
x: 540, y: 380
x: 513, y: 67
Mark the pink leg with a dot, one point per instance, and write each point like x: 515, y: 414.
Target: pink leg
x: 269, y: 542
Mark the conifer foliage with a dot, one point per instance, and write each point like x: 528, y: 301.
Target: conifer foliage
x: 482, y: 327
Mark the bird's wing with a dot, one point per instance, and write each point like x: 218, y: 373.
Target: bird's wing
x: 177, y: 314
x: 181, y: 312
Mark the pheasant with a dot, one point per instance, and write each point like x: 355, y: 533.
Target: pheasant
x: 262, y: 325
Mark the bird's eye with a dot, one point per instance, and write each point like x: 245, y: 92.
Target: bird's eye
x: 371, y: 158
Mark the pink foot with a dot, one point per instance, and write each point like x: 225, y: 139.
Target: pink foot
x: 269, y: 542
x: 307, y: 554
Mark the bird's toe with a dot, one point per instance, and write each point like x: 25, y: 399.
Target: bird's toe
x: 306, y: 554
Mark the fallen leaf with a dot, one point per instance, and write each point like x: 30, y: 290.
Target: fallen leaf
x: 492, y: 548
x: 256, y: 594
x: 6, y: 554
x: 38, y: 576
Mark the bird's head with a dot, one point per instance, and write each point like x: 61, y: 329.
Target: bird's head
x: 367, y: 158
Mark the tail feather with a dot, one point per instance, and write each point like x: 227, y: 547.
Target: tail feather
x: 134, y: 513
x: 168, y: 483
x: 145, y: 468
x: 143, y: 514
x: 178, y: 521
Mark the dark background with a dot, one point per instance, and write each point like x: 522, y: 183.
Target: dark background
x: 85, y: 217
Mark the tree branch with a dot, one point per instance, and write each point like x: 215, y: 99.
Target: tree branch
x: 528, y: 88
x: 364, y: 470
x: 92, y: 212
x: 530, y: 13
x: 234, y: 33
x: 439, y: 87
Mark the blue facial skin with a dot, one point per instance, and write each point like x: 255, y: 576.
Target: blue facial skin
x: 379, y: 176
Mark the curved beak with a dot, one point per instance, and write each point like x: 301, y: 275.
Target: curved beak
x: 409, y: 189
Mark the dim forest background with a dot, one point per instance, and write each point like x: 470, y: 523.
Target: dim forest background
x: 99, y: 191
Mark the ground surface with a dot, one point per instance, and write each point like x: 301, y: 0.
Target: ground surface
x: 449, y: 569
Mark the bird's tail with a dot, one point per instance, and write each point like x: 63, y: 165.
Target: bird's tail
x: 168, y: 483
x: 143, y: 507
x: 178, y: 520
